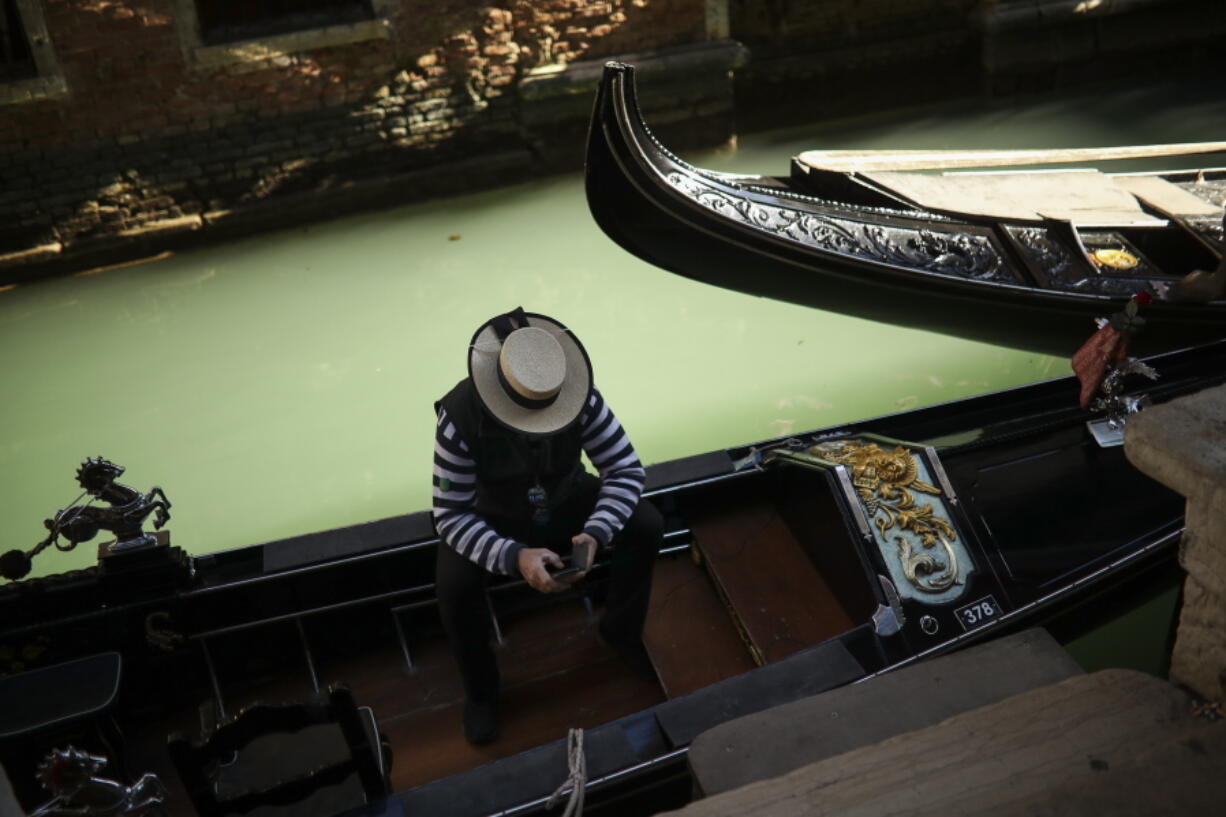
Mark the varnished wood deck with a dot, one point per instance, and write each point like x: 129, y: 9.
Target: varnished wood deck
x: 691, y: 637
x: 555, y: 673
x: 782, y: 602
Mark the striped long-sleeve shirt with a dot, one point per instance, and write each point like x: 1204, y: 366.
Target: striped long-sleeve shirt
x: 465, y: 531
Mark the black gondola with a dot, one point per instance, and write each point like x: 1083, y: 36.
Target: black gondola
x: 872, y: 545
x: 1020, y: 258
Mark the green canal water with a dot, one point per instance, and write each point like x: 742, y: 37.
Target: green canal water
x: 284, y: 384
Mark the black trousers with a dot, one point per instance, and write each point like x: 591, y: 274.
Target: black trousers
x: 460, y: 584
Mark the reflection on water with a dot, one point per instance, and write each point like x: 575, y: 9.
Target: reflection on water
x: 284, y: 383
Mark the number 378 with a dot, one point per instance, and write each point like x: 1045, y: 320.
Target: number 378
x: 977, y: 613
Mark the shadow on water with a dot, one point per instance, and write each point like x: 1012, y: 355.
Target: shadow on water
x: 1133, y: 628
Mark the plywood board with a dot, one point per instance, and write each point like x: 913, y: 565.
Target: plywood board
x: 1084, y: 197
x: 772, y: 588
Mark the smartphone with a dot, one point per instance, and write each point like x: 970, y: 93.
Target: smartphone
x: 567, y: 571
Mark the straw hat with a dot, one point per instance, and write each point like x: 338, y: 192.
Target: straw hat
x: 530, y: 372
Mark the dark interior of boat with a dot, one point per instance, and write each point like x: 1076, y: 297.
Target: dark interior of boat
x: 780, y: 567
x: 1039, y: 500
x: 1175, y: 252
x: 755, y: 569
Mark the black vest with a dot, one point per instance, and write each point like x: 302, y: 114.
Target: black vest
x: 510, y: 463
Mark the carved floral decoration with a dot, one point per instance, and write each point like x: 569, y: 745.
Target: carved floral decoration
x: 955, y: 253
x: 886, y: 483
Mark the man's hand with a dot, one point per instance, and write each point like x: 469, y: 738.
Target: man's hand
x: 532, y: 563
x: 584, y: 553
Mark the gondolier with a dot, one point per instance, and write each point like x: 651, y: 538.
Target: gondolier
x: 511, y: 495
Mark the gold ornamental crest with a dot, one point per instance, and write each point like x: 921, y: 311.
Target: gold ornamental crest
x: 886, y: 482
x: 1115, y: 258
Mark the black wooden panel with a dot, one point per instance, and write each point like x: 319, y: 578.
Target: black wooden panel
x: 519, y: 778
x: 805, y: 673
x: 333, y: 544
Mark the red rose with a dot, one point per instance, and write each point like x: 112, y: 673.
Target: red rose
x: 1142, y: 298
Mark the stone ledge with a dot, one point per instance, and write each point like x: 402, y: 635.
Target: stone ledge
x: 165, y: 227
x: 686, y: 93
x: 1182, y: 444
x: 34, y: 255
x: 1113, y: 742
x: 33, y: 90
x: 779, y: 740
x: 267, y: 48
x: 677, y: 65
x: 142, y: 242
x: 567, y: 92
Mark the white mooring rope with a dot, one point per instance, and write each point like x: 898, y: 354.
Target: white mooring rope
x: 577, y: 780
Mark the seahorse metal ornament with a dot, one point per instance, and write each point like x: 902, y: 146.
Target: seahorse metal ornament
x: 71, y: 776
x: 79, y: 523
x: 886, y: 482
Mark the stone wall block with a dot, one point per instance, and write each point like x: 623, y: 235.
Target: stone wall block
x: 1198, y: 659
x: 1182, y: 444
x: 1203, y: 548
x: 1115, y: 742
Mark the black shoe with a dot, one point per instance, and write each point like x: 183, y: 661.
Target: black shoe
x: 633, y: 654
x: 480, y: 721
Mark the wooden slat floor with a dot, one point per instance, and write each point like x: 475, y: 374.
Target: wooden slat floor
x: 782, y: 602
x: 692, y: 639
x: 555, y: 675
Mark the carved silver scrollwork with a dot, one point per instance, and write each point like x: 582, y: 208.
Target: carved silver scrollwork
x: 1210, y: 190
x: 1048, y: 254
x: 926, y: 571
x: 961, y: 254
x: 1065, y: 272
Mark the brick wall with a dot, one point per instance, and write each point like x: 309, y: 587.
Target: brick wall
x: 139, y: 131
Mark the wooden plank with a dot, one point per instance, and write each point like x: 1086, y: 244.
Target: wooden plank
x: 855, y: 160
x: 1167, y: 198
x: 772, y: 588
x: 689, y: 635
x: 1084, y: 197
